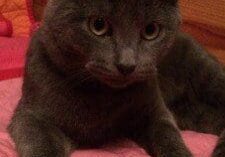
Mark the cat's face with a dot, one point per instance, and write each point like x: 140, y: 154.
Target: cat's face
x: 117, y: 41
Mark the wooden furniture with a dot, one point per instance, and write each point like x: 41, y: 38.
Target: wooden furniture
x: 205, y: 20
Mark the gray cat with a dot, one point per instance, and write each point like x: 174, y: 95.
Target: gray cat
x: 102, y: 70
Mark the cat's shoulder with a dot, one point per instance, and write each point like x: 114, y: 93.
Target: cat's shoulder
x: 185, y: 43
x: 188, y: 49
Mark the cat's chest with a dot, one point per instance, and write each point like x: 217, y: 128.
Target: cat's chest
x: 105, y: 112
x: 101, y: 117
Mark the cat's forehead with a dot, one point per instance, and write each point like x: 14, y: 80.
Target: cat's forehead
x: 125, y: 7
x: 141, y: 2
x: 126, y: 4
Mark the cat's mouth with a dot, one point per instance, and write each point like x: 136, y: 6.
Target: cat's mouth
x: 113, y: 79
x: 117, y: 82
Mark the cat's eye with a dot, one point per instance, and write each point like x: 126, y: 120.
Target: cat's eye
x: 99, y: 26
x: 151, y: 31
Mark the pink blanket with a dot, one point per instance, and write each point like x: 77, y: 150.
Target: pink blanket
x: 201, y: 145
x: 12, y: 52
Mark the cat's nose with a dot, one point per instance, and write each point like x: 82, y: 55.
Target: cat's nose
x: 126, y: 69
x: 126, y: 62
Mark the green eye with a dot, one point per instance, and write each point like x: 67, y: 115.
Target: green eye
x: 151, y: 31
x: 99, y: 26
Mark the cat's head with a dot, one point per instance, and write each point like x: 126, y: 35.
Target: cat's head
x: 116, y: 41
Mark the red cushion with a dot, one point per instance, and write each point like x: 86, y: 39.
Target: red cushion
x: 12, y: 56
x: 5, y: 27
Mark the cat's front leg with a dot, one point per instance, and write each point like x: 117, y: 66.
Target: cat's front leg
x: 35, y: 138
x: 220, y: 148
x: 167, y: 141
x: 162, y: 137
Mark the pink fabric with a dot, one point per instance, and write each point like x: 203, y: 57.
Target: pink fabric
x: 201, y: 145
x: 12, y: 52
